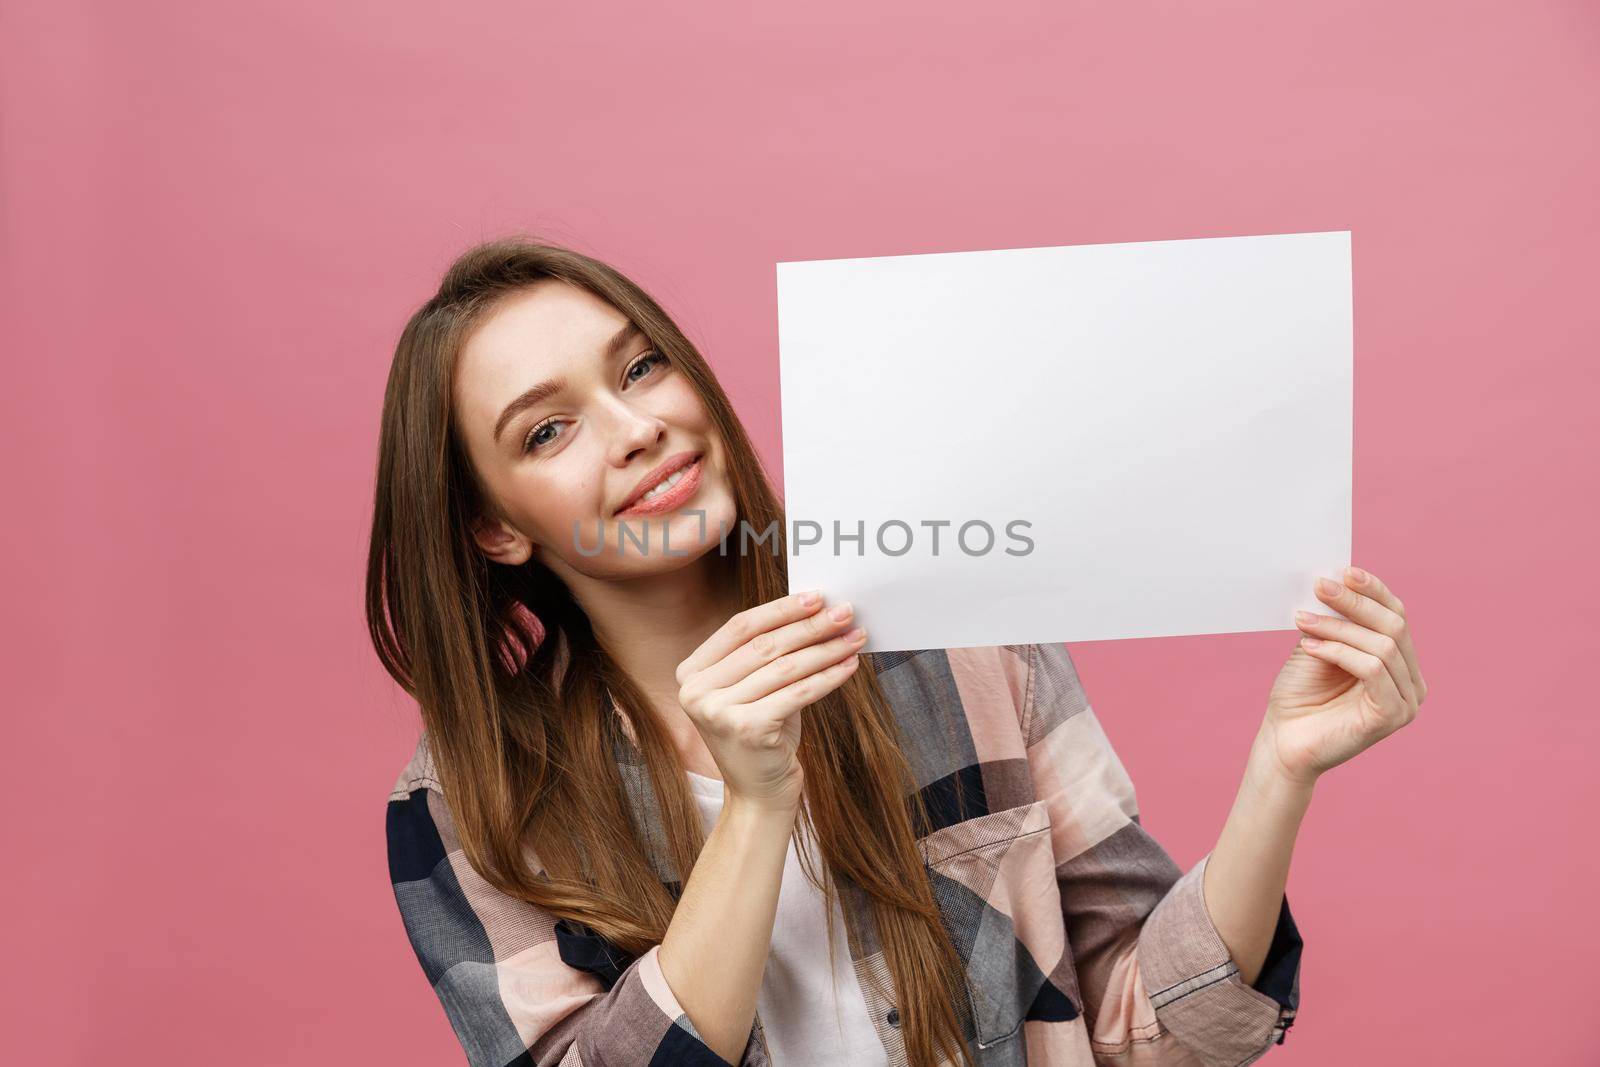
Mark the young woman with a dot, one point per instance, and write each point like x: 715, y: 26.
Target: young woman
x: 651, y: 780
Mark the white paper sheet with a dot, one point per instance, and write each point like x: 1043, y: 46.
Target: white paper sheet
x: 1172, y: 419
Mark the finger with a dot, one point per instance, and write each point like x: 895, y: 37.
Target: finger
x: 746, y: 624
x: 793, y: 666
x: 804, y: 692
x: 1381, y: 645
x: 1360, y: 608
x: 764, y: 648
x: 1368, y: 584
x: 1363, y: 666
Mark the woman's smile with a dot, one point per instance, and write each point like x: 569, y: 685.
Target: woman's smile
x: 666, y: 493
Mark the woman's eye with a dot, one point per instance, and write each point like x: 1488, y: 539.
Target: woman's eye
x: 538, y: 438
x: 646, y: 360
x: 535, y: 439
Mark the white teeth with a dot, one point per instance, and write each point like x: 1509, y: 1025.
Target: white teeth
x: 666, y: 483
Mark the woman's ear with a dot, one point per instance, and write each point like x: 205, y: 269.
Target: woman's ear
x: 500, y: 542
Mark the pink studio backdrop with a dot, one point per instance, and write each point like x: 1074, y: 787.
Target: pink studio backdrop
x: 216, y: 218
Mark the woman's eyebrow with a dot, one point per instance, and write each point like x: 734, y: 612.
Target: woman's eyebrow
x: 554, y: 386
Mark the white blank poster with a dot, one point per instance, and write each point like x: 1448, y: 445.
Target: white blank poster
x: 1156, y: 437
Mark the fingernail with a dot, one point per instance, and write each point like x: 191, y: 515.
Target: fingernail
x: 857, y: 634
x: 1357, y: 575
x: 1327, y: 586
x: 1304, y: 616
x: 842, y: 612
x: 1310, y: 642
x: 810, y: 599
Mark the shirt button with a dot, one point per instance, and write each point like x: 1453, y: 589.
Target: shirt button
x: 894, y: 1016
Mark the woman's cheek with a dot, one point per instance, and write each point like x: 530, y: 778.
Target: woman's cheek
x: 682, y: 406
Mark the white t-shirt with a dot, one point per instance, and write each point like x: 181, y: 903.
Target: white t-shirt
x: 811, y: 1014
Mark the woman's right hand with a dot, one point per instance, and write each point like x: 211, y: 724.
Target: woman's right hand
x: 745, y: 686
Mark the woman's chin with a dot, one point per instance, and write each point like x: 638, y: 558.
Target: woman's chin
x: 635, y: 546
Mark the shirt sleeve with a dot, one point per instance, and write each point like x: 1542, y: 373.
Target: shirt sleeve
x: 517, y: 986
x: 1157, y: 981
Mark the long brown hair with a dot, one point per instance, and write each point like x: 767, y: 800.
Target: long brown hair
x: 512, y: 683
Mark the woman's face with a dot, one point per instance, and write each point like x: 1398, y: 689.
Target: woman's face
x: 566, y: 410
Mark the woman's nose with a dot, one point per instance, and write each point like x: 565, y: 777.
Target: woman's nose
x: 633, y: 430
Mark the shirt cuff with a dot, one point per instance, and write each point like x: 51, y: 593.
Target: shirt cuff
x: 636, y: 982
x: 699, y: 1053
x: 1196, y: 988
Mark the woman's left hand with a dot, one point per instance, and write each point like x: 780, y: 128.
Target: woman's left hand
x: 1350, y: 683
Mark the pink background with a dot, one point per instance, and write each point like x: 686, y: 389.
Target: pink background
x: 215, y: 223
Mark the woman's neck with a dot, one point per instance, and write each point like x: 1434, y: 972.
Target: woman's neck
x: 651, y: 625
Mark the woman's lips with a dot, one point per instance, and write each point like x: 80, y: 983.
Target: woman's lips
x: 673, y: 498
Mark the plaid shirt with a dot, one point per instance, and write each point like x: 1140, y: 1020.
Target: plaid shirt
x: 1084, y: 943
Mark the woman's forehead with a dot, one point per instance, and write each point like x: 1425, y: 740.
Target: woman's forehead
x: 549, y: 332
x: 550, y: 322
